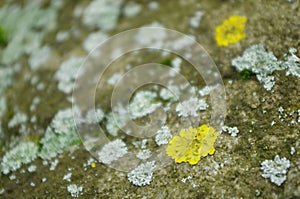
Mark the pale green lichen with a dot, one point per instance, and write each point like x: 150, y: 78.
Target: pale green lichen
x: 292, y: 63
x: 60, y: 135
x: 22, y: 153
x: 103, y: 14
x: 257, y: 60
x: 26, y: 27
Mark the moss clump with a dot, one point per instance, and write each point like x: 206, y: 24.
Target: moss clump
x: 3, y: 36
x: 167, y: 62
x: 246, y: 74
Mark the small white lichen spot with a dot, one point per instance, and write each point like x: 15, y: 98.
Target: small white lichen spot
x: 280, y: 109
x: 190, y: 107
x: 131, y: 9
x: 19, y: 118
x: 142, y: 175
x: 272, y: 123
x: 67, y: 177
x: 112, y: 151
x: 233, y: 131
x: 93, y: 40
x: 292, y: 63
x: 31, y: 168
x: 268, y: 81
x: 62, y: 36
x: 293, y: 150
x: 147, y: 38
x: 163, y: 136
x: 60, y: 135
x: 114, y: 79
x: 74, y: 190
x: 144, y: 154
x: 68, y: 72
x: 12, y: 177
x: 176, y: 66
x: 53, y: 165
x: 94, y: 116
x: 153, y: 5
x: 39, y: 57
x: 206, y: 90
x: 275, y: 169
x: 176, y: 63
x: 195, y: 20
x: 143, y: 104
x: 103, y: 14
x: 171, y: 93
x: 116, y: 120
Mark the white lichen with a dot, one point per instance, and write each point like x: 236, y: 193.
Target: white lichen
x: 67, y: 177
x: 74, y: 190
x: 191, y: 107
x: 233, y: 131
x: 114, y: 78
x: 143, y: 104
x: 292, y: 63
x: 68, y: 72
x: 142, y: 175
x: 275, y: 169
x: 144, y: 154
x: 94, y: 116
x: 18, y: 118
x: 171, y: 93
x: 23, y: 153
x: 103, y: 14
x: 259, y: 61
x: 62, y: 36
x: 112, y: 151
x: 60, y: 135
x: 163, y: 136
x: 116, y: 120
x: 195, y: 19
x: 93, y: 40
x: 147, y: 38
x: 131, y: 9
x: 31, y: 168
x: 27, y: 26
x: 153, y: 5
x: 39, y: 57
x: 293, y: 150
x: 111, y: 125
x: 206, y: 90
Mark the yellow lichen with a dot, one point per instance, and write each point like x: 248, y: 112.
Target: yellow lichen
x: 192, y: 144
x: 231, y: 30
x: 93, y: 165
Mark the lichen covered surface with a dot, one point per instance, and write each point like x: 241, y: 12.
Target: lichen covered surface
x: 33, y: 108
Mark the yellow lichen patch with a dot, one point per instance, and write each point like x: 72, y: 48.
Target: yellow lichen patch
x: 192, y: 144
x: 231, y: 30
x: 93, y: 165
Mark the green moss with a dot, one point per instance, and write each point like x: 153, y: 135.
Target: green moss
x: 166, y: 61
x: 246, y: 74
x: 3, y: 36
